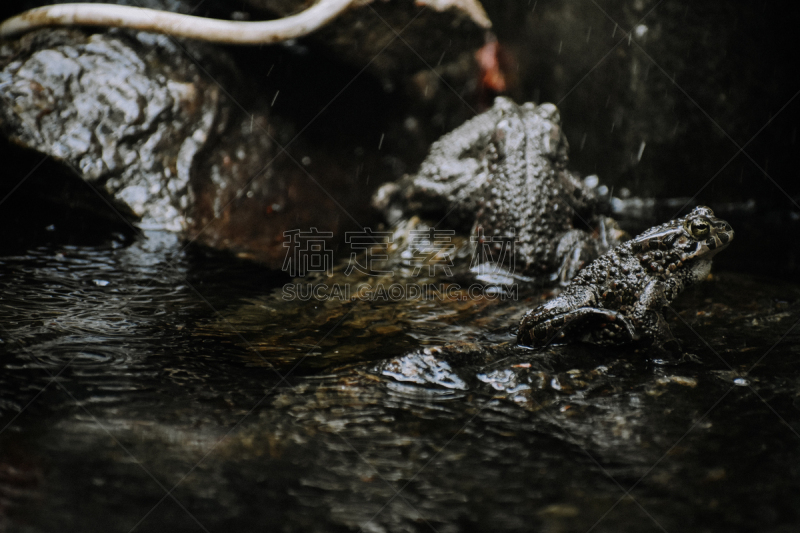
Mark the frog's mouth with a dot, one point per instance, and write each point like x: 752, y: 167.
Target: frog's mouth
x: 721, y: 236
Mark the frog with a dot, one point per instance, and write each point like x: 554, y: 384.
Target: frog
x: 620, y: 297
x: 503, y: 178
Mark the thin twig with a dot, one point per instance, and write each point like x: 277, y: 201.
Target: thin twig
x: 176, y: 24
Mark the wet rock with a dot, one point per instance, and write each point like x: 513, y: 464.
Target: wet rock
x: 423, y: 51
x: 397, y: 37
x: 423, y: 368
x: 184, y: 141
x: 97, y: 103
x: 149, y: 121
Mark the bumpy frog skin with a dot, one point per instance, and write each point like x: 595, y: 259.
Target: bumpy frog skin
x: 619, y: 298
x: 503, y: 176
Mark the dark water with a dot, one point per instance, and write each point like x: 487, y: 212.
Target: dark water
x: 146, y: 388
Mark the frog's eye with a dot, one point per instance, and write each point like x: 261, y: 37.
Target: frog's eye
x: 699, y: 228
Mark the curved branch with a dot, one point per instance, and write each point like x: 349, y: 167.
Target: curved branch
x: 176, y: 24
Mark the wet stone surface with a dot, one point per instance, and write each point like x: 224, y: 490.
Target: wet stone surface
x: 193, y: 137
x: 97, y: 103
x: 171, y: 133
x: 119, y: 378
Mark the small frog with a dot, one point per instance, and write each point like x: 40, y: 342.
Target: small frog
x: 502, y: 176
x: 619, y: 297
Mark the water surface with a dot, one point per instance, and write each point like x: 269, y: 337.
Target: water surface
x: 148, y: 388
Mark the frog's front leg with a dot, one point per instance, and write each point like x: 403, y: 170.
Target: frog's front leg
x: 648, y: 316
x: 605, y: 325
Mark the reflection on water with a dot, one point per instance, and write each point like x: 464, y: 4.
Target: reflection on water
x: 128, y: 372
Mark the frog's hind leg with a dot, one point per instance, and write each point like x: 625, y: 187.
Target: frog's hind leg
x: 603, y: 326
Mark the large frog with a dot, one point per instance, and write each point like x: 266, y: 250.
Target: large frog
x: 619, y: 298
x: 502, y: 176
